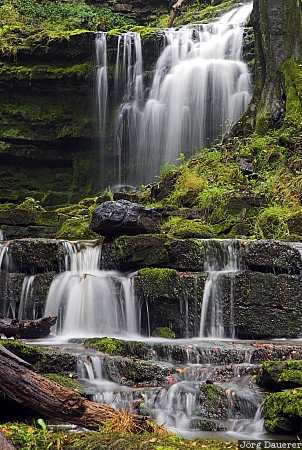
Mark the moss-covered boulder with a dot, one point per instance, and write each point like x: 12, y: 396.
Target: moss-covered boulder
x: 279, y: 375
x: 135, y: 252
x: 171, y: 300
x: 34, y: 255
x: 115, y: 347
x: 42, y: 359
x: 282, y: 412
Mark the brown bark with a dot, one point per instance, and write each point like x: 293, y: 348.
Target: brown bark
x: 5, y: 444
x: 54, y: 401
x: 27, y: 329
x: 175, y: 10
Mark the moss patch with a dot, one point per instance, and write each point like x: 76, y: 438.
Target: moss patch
x: 65, y: 381
x: 33, y: 438
x: 283, y: 411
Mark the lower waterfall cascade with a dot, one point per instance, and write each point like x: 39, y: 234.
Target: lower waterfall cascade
x: 89, y: 301
x: 200, y: 88
x: 220, y: 259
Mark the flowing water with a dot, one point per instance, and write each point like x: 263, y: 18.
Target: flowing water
x: 222, y: 257
x: 200, y: 88
x: 101, y: 80
x: 184, y: 406
x: 89, y: 301
x: 26, y: 297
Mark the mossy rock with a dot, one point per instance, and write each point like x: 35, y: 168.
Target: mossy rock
x: 282, y: 412
x: 279, y: 375
x: 113, y: 346
x: 135, y: 252
x: 42, y: 359
x: 170, y: 299
x: 164, y: 332
x: 186, y: 229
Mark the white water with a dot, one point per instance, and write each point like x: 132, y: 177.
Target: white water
x: 26, y: 297
x: 89, y: 301
x: 222, y: 257
x: 2, y: 235
x: 129, y: 85
x: 101, y: 79
x: 200, y: 88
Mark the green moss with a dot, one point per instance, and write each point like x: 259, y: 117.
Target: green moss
x: 32, y: 438
x: 292, y: 72
x: 197, y: 11
x: 278, y: 374
x: 283, y: 411
x: 65, y: 381
x: 30, y: 24
x: 76, y: 228
x: 24, y: 351
x: 45, y: 72
x: 106, y: 345
x: 158, y: 282
x: 113, y: 346
x: 164, y: 332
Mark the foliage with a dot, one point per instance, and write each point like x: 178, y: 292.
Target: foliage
x: 110, y: 346
x: 28, y: 437
x: 25, y: 23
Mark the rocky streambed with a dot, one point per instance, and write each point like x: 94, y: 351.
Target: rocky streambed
x: 172, y: 325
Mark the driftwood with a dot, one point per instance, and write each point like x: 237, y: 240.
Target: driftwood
x: 175, y: 10
x: 27, y: 329
x: 51, y: 400
x: 5, y: 444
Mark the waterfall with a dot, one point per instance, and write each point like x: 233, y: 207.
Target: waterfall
x: 222, y: 257
x: 26, y: 297
x: 200, y: 88
x: 89, y: 301
x: 128, y: 83
x: 2, y: 235
x: 101, y: 79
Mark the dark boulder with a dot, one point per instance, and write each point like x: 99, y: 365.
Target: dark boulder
x: 123, y: 217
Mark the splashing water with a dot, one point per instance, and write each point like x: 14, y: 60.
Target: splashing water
x: 200, y: 88
x: 222, y: 257
x: 26, y: 297
x: 101, y: 79
x: 89, y: 301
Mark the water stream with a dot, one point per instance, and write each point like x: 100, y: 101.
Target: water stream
x: 222, y: 257
x: 89, y: 301
x: 199, y: 89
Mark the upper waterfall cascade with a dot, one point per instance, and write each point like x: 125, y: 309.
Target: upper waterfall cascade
x: 89, y: 301
x: 200, y: 88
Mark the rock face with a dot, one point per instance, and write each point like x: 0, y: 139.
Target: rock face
x: 124, y: 217
x: 264, y: 305
x: 153, y: 250
x: 170, y: 299
x: 270, y: 256
x: 34, y: 256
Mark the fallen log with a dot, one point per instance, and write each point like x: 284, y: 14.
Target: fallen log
x: 27, y: 329
x: 53, y: 401
x: 175, y: 11
x: 5, y: 444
